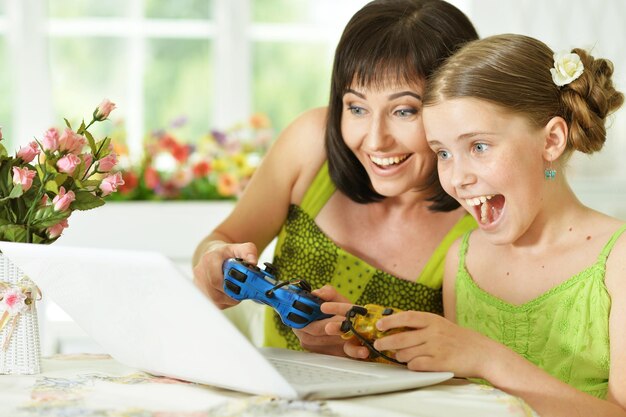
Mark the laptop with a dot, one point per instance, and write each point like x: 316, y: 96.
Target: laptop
x: 140, y: 308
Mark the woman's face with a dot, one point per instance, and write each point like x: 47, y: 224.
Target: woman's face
x: 383, y: 128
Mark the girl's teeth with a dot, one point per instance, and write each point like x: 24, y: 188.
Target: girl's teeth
x: 483, y: 213
x: 478, y: 200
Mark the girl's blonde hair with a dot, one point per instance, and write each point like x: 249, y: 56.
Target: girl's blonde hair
x: 513, y: 71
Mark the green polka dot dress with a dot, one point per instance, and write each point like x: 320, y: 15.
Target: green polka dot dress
x: 304, y: 251
x: 564, y: 331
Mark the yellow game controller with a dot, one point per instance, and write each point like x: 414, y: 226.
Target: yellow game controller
x: 361, y: 321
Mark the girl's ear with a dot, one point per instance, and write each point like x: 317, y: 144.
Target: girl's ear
x: 555, y: 136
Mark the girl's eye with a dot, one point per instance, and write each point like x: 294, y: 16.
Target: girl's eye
x: 356, y: 110
x: 481, y: 147
x: 443, y: 155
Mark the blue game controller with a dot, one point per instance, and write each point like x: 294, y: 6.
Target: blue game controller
x: 292, y: 300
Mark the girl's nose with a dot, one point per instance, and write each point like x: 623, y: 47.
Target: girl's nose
x: 462, y: 175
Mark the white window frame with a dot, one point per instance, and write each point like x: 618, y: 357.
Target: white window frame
x: 28, y: 28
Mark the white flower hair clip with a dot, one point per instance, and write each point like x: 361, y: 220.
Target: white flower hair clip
x: 567, y: 68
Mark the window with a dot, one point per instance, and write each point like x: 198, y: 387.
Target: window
x: 207, y: 63
x: 214, y: 63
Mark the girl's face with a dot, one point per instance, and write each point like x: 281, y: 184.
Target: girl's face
x: 383, y: 127
x: 491, y: 161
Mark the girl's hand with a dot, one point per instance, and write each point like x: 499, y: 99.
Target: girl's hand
x: 351, y: 347
x: 209, y: 276
x: 435, y: 344
x: 314, y: 337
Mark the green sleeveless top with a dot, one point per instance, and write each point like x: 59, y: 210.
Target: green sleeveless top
x: 564, y: 331
x: 304, y: 251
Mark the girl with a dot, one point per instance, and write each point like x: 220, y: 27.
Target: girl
x: 538, y: 292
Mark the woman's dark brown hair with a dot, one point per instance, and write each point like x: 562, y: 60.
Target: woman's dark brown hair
x: 389, y: 41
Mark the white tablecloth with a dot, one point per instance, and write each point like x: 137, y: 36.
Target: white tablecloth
x: 96, y: 385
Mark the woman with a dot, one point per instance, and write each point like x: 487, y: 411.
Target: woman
x: 351, y: 190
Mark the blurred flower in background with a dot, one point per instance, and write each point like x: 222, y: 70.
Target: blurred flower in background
x: 215, y: 167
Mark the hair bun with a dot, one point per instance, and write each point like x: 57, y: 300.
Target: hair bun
x: 588, y: 100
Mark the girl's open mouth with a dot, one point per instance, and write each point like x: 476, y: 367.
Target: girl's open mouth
x: 487, y: 208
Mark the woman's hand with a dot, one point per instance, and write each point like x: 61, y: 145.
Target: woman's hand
x: 314, y: 337
x: 435, y: 344
x: 209, y: 276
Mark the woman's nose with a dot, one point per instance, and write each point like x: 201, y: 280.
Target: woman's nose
x: 378, y: 135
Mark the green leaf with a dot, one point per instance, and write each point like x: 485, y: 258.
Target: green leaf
x: 3, y: 150
x: 40, y: 172
x: 60, y: 179
x: 86, y: 201
x: 91, y: 141
x: 67, y: 123
x: 14, y: 233
x: 90, y: 183
x: 43, y: 212
x: 52, y: 186
x: 16, y: 192
x: 103, y: 147
x: 35, y: 238
x: 50, y: 218
x: 51, y: 167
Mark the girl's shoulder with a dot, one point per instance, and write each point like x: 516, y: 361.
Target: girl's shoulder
x: 615, y: 278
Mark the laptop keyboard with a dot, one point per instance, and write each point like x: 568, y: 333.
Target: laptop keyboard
x: 304, y: 374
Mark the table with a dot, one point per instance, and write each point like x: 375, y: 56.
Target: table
x: 97, y: 385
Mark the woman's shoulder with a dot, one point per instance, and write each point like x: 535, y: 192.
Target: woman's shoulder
x: 303, y: 143
x: 307, y: 129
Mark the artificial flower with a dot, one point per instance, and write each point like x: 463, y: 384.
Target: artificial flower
x: 87, y: 160
x: 107, y: 163
x: 56, y: 230
x: 103, y: 110
x: 13, y: 301
x: 71, y: 142
x: 24, y: 177
x: 567, y: 68
x: 28, y: 152
x: 110, y: 183
x: 68, y: 163
x: 51, y: 139
x: 63, y: 200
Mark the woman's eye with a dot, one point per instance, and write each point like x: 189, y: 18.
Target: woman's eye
x: 481, y: 147
x: 406, y: 112
x: 443, y: 155
x: 356, y: 110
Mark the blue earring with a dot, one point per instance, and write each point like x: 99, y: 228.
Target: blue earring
x: 549, y: 173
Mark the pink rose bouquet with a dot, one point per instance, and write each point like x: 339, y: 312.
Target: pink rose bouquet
x: 48, y: 179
